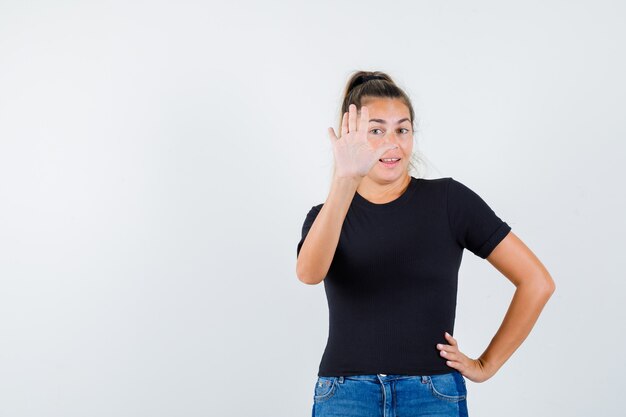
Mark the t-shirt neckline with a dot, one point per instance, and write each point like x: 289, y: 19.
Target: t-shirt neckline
x: 398, y: 202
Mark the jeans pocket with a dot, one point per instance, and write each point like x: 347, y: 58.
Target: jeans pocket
x: 448, y: 387
x: 324, y: 388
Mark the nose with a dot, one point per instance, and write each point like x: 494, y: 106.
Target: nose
x: 391, y: 137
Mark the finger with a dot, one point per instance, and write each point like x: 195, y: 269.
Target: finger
x: 451, y: 339
x: 448, y: 348
x: 344, y: 124
x: 459, y: 359
x: 352, y: 118
x: 364, y: 119
x: 452, y: 356
x: 331, y: 135
x: 383, y: 150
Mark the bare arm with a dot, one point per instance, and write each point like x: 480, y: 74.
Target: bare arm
x: 318, y: 248
x: 534, y: 286
x: 354, y: 158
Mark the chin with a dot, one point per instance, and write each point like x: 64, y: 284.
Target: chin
x: 391, y: 175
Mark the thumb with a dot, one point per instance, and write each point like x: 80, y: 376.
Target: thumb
x: 383, y: 150
x: 331, y: 135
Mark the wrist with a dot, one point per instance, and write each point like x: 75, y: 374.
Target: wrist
x: 488, y: 367
x: 347, y: 182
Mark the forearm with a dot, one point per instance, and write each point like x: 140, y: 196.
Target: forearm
x: 320, y: 244
x: 526, y: 306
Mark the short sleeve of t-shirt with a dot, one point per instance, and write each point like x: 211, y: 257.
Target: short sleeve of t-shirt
x: 474, y: 224
x: 308, y: 222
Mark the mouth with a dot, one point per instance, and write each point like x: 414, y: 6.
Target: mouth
x: 389, y: 162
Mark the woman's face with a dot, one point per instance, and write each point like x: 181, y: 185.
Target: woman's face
x: 389, y: 123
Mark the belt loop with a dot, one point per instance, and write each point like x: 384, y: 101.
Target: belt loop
x: 340, y: 380
x: 424, y: 379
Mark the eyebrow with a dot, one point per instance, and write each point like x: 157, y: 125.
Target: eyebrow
x: 406, y: 119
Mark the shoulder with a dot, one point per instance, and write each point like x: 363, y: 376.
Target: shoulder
x: 453, y: 191
x: 458, y: 189
x: 461, y: 191
x: 434, y: 182
x: 433, y: 186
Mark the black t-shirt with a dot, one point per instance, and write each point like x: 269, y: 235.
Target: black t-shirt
x: 392, y: 284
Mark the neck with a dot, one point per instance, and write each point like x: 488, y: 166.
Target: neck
x: 381, y: 193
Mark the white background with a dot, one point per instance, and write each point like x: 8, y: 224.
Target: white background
x: 158, y: 158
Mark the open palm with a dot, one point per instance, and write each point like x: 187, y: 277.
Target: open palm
x: 354, y: 154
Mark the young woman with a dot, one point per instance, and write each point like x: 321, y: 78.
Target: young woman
x: 388, y: 247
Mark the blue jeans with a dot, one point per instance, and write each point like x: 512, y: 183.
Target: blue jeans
x: 380, y: 395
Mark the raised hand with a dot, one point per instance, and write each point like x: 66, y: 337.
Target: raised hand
x: 472, y: 369
x: 354, y: 155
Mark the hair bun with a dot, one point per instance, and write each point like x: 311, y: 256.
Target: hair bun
x: 367, y: 78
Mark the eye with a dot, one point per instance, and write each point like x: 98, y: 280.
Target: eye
x: 404, y: 128
x: 374, y: 129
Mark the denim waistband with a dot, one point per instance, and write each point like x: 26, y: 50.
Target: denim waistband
x: 383, y: 377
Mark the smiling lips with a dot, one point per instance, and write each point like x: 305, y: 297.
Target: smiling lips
x: 390, y: 162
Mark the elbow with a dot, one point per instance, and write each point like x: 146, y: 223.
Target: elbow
x: 309, y: 280
x: 550, y: 286
x: 546, y: 287
x: 541, y: 286
x: 306, y: 277
x: 550, y: 290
